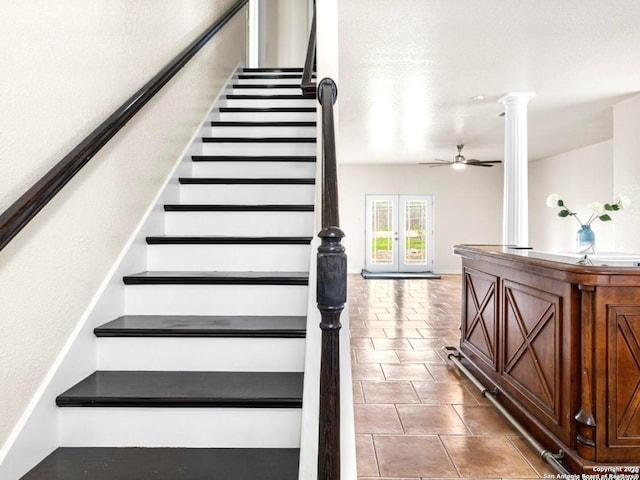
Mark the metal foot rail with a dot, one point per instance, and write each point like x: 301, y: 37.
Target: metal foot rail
x: 552, y: 459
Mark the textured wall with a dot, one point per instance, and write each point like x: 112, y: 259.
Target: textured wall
x: 467, y: 205
x: 66, y: 66
x: 626, y: 171
x: 580, y: 177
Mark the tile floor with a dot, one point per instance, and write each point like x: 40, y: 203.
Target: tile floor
x: 417, y: 417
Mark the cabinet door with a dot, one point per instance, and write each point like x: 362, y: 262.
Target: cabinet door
x: 623, y: 385
x: 479, y: 327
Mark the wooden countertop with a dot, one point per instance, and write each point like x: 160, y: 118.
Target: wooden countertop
x: 619, y: 269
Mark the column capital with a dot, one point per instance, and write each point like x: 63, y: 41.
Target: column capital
x: 516, y: 98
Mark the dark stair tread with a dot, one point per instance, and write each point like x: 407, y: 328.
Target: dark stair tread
x: 216, y: 278
x: 246, y: 181
x: 266, y: 76
x: 232, y: 123
x: 267, y: 86
x: 86, y: 463
x: 186, y: 389
x: 204, y: 326
x: 273, y: 69
x: 237, y: 208
x: 259, y: 139
x: 234, y: 96
x: 223, y: 240
x: 267, y: 109
x: 252, y: 158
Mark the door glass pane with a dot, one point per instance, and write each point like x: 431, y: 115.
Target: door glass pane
x: 415, y: 232
x: 381, y: 232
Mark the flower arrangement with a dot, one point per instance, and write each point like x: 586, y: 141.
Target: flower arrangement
x: 599, y: 211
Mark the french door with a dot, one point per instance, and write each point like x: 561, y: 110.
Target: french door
x: 399, y: 236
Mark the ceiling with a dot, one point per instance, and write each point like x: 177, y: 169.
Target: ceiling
x: 408, y: 70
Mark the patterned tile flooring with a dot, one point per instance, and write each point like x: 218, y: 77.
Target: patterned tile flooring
x: 417, y: 417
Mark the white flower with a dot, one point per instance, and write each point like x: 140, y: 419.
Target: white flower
x: 597, y: 208
x: 623, y: 201
x: 552, y: 200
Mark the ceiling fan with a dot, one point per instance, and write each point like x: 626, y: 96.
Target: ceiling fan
x: 460, y: 162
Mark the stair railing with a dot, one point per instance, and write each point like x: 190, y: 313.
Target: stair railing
x: 331, y: 292
x: 308, y: 85
x: 331, y: 288
x: 23, y: 210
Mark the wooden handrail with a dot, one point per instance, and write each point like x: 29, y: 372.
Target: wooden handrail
x: 23, y: 210
x: 327, y: 96
x: 308, y: 85
x: 331, y: 293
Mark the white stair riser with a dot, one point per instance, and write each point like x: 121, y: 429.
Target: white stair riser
x: 217, y: 427
x: 268, y: 116
x: 267, y: 224
x: 232, y: 258
x: 216, y: 300
x: 231, y: 194
x: 254, y: 169
x: 269, y: 81
x: 180, y: 427
x: 258, y: 131
x: 232, y: 148
x: 201, y: 354
x: 271, y: 102
x: 292, y: 90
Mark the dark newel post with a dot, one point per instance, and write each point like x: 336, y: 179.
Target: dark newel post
x: 331, y: 295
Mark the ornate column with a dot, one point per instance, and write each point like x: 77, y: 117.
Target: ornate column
x: 585, y: 418
x: 515, y: 213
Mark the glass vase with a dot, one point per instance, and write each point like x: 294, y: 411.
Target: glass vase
x: 585, y: 240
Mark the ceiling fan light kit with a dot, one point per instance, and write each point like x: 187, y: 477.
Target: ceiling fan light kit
x: 459, y: 161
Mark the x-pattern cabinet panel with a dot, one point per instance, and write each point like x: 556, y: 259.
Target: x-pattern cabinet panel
x: 559, y: 344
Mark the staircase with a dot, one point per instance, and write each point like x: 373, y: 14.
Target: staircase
x: 202, y: 377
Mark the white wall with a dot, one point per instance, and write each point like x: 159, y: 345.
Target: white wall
x: 626, y: 171
x: 467, y: 205
x: 580, y: 177
x: 66, y: 66
x: 287, y: 32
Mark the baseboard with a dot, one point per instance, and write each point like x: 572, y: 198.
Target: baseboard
x: 399, y: 275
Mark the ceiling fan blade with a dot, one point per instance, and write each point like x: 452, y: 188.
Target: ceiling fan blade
x: 437, y: 163
x: 431, y: 165
x: 479, y: 165
x: 469, y: 161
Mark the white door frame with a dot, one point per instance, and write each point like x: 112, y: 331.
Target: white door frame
x: 398, y: 256
x: 254, y: 33
x: 256, y: 53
